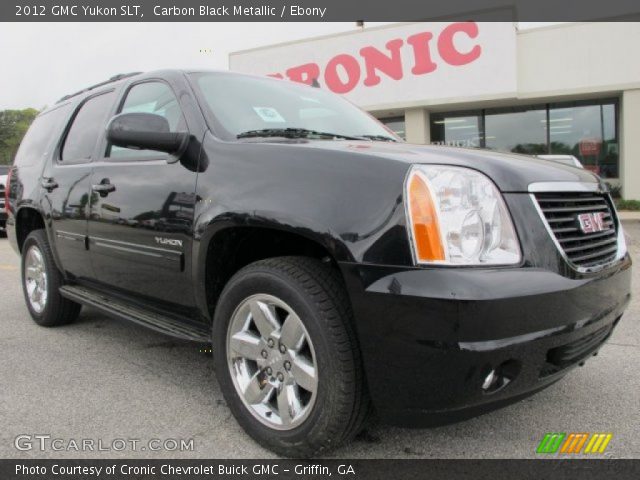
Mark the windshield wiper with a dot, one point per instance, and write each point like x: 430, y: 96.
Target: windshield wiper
x: 382, y: 138
x: 293, y: 133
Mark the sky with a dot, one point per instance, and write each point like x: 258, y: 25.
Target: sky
x: 42, y: 62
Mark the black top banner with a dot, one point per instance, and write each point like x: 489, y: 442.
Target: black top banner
x: 316, y: 10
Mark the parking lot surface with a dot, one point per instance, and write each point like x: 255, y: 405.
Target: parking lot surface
x: 104, y: 379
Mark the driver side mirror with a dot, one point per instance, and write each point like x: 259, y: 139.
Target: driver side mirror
x: 146, y: 131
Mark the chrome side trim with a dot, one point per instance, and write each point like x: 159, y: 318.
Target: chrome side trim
x: 135, y: 247
x: 540, y: 187
x: 142, y: 254
x: 76, y: 237
x: 621, y: 242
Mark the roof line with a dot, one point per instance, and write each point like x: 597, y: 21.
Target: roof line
x: 115, y: 78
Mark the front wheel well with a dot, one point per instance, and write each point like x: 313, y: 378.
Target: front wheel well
x: 27, y: 220
x: 236, y: 247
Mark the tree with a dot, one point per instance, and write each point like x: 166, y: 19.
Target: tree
x: 13, y: 126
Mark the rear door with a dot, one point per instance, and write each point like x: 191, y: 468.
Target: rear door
x: 66, y: 183
x: 140, y: 228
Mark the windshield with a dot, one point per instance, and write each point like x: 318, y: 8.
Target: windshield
x: 4, y: 169
x: 241, y: 104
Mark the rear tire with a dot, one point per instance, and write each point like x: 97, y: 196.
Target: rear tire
x: 41, y: 282
x: 321, y: 415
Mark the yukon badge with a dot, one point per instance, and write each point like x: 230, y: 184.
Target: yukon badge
x: 169, y: 241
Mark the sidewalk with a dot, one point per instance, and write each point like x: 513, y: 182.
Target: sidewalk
x: 629, y: 216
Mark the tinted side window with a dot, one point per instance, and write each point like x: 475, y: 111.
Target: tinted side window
x: 150, y: 97
x: 87, y: 126
x: 40, y: 137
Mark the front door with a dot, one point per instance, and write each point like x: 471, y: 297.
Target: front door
x: 140, y: 228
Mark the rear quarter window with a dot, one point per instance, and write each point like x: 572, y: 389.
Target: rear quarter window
x: 41, y: 136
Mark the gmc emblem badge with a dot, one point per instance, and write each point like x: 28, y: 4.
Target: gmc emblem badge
x: 592, y: 222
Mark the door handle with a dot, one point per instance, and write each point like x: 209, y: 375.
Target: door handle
x: 49, y: 184
x: 104, y: 188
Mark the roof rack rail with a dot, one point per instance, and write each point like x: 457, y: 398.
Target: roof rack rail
x: 115, y: 78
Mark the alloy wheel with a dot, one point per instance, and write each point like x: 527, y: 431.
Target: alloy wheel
x: 35, y: 279
x: 272, y: 362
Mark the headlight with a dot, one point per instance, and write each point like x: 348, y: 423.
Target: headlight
x: 457, y: 216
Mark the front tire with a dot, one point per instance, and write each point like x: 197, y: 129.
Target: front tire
x: 286, y: 356
x: 41, y: 282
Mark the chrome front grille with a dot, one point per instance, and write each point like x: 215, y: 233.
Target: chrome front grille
x: 582, y: 249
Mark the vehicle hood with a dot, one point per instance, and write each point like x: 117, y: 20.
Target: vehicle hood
x: 510, y: 172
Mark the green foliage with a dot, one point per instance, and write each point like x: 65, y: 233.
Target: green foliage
x: 627, y: 204
x: 530, y: 148
x: 13, y: 126
x: 614, y: 190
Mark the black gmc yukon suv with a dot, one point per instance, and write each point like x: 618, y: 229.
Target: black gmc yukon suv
x: 336, y: 270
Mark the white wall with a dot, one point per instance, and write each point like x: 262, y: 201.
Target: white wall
x: 553, y: 61
x: 630, y: 145
x: 417, y: 126
x: 487, y: 74
x: 578, y: 58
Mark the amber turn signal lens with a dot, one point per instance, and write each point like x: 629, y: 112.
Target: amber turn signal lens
x: 424, y: 221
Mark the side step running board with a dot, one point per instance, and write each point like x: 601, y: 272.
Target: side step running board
x: 124, y: 310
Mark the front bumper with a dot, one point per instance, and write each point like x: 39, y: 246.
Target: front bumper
x: 430, y: 337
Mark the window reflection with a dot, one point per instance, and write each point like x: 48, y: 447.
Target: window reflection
x: 586, y: 129
x: 587, y: 132
x: 462, y: 130
x: 517, y: 130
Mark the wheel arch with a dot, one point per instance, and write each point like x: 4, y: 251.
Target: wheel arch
x: 225, y: 250
x: 27, y: 219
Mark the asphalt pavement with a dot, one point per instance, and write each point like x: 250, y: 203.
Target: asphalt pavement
x: 101, y: 379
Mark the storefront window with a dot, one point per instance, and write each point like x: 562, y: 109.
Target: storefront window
x: 586, y: 129
x: 457, y: 130
x: 517, y: 130
x: 396, y: 125
x: 589, y: 133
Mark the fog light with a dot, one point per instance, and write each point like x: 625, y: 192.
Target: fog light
x: 501, y: 376
x: 489, y: 380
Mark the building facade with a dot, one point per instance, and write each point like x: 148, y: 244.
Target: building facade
x: 563, y: 89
